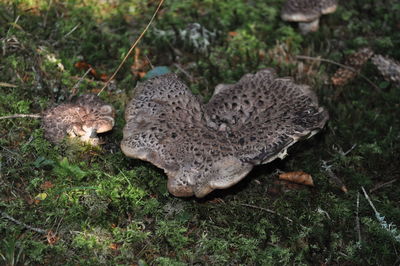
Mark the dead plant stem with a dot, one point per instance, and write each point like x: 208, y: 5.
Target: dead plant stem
x: 132, y: 47
x: 38, y: 230
x: 21, y: 116
x: 267, y: 210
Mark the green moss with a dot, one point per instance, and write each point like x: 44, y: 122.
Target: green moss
x: 108, y: 209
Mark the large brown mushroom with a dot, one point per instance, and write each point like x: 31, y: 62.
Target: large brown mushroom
x: 307, y: 12
x: 83, y: 119
x: 214, y: 146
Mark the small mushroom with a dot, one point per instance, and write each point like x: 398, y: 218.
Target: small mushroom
x: 307, y: 12
x: 84, y: 118
x: 203, y: 147
x: 389, y: 68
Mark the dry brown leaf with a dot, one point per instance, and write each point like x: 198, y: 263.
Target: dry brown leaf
x: 298, y: 177
x: 46, y: 185
x: 356, y: 60
x: 232, y: 33
x: 139, y: 65
x: 85, y: 66
x: 344, y: 189
x: 51, y: 237
x: 114, y: 246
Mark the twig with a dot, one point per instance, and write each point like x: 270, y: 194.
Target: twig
x: 148, y: 60
x: 382, y: 185
x: 79, y: 82
x: 47, y: 14
x: 358, y: 219
x: 344, y: 153
x: 20, y: 116
x: 267, y: 210
x: 15, y: 23
x: 184, y: 71
x: 369, y: 200
x: 334, y: 177
x: 16, y: 156
x: 5, y: 84
x: 304, y: 57
x: 38, y: 230
x: 390, y: 228
x: 133, y: 47
x: 71, y: 31
x: 67, y: 34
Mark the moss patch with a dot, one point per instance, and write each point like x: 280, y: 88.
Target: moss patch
x: 103, y: 208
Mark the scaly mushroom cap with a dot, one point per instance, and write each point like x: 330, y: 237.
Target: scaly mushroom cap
x: 84, y: 118
x: 389, y: 68
x: 213, y: 146
x: 307, y: 10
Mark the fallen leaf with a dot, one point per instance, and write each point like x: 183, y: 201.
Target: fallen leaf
x: 140, y: 65
x: 46, y: 185
x: 216, y: 201
x: 85, y: 66
x: 356, y: 61
x: 298, y: 177
x: 232, y: 33
x: 51, y: 237
x: 104, y: 77
x: 39, y: 197
x: 344, y: 189
x: 82, y: 65
x: 29, y: 200
x: 114, y: 246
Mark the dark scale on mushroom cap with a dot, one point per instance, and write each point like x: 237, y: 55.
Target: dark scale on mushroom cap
x: 84, y: 118
x: 211, y: 146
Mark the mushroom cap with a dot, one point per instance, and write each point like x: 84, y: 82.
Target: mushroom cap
x: 307, y: 10
x: 388, y: 67
x: 84, y: 118
x: 203, y: 147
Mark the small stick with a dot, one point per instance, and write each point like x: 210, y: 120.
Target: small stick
x: 132, y: 48
x: 148, y: 60
x: 79, y: 82
x: 71, y: 31
x: 382, y: 185
x: 369, y: 201
x: 21, y: 115
x: 38, y: 230
x: 267, y: 210
x: 184, y: 71
x: 358, y: 219
x: 334, y: 177
x: 304, y: 57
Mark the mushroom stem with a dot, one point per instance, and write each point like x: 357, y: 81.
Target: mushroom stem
x: 306, y: 27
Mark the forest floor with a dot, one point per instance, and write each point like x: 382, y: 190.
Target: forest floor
x: 74, y: 204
